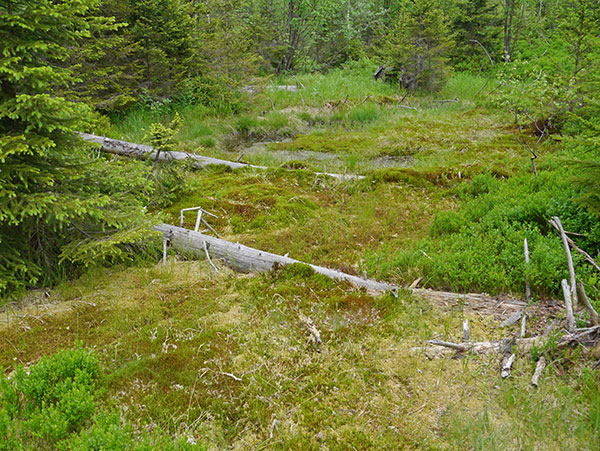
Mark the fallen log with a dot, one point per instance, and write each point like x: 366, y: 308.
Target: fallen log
x: 247, y: 259
x: 127, y: 149
x: 473, y: 302
x: 439, y: 348
x: 507, y: 363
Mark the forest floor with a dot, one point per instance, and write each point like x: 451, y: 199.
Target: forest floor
x: 228, y: 359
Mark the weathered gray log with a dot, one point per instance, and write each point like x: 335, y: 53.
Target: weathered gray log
x: 507, y: 363
x: 441, y: 348
x: 512, y: 319
x: 474, y: 302
x: 555, y: 222
x: 447, y: 344
x: 127, y: 149
x: 247, y: 259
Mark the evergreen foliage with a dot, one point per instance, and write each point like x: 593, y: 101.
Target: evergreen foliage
x: 420, y: 45
x: 57, y: 206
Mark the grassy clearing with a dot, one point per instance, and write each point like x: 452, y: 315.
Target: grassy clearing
x: 228, y: 361
x: 449, y: 194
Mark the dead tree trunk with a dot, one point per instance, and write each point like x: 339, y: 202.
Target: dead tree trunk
x: 143, y: 151
x: 247, y: 259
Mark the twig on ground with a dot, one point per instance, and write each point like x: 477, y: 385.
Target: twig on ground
x: 541, y: 364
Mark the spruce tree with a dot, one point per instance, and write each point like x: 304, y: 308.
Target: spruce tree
x: 58, y: 207
x: 420, y: 44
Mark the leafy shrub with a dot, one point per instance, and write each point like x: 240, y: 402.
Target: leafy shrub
x: 216, y: 94
x: 480, y: 246
x: 55, y: 398
x: 52, y: 404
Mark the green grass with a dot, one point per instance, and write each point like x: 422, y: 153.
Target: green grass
x: 227, y: 360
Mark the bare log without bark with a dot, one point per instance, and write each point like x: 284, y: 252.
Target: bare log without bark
x: 512, y: 319
x: 127, y: 149
x: 448, y: 344
x: 247, y: 259
x: 473, y: 302
x: 480, y: 347
x: 541, y: 364
x: 507, y: 365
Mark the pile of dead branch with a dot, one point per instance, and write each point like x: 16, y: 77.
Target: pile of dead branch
x: 570, y: 335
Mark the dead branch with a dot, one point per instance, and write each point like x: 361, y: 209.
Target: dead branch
x: 541, y: 364
x: 557, y: 225
x: 507, y: 365
x: 512, y: 319
x: 569, y: 307
x: 587, y: 256
x: 586, y: 303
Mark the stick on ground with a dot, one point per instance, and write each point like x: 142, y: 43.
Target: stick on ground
x: 541, y: 364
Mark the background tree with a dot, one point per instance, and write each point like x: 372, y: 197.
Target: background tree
x: 420, y: 45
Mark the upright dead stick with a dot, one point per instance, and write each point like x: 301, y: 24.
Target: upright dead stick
x: 466, y: 332
x: 570, y: 317
x: 541, y: 364
x: 527, y: 287
x: 557, y: 224
x: 586, y: 303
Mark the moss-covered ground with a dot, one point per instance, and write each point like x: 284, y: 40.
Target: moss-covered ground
x: 228, y: 360
x: 448, y: 195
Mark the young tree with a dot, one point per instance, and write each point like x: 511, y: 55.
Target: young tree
x: 420, y: 44
x: 57, y: 206
x: 163, y: 30
x: 476, y: 24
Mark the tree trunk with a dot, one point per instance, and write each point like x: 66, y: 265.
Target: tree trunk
x: 246, y: 259
x: 143, y: 151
